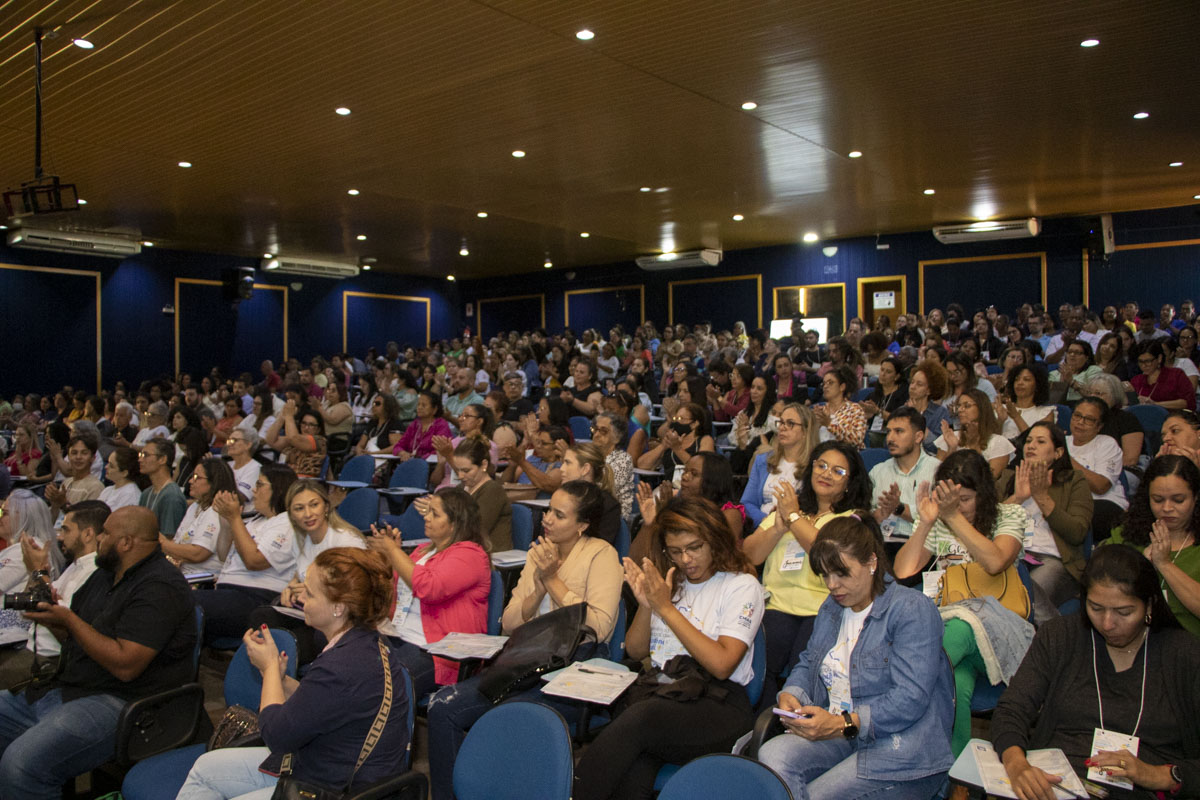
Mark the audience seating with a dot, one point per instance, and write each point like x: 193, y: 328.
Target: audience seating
x: 413, y: 474
x: 863, y: 394
x: 722, y: 776
x: 874, y: 455
x: 623, y: 541
x: 581, y: 428
x: 489, y: 767
x: 522, y: 526
x: 360, y: 508
x: 495, y: 607
x: 356, y: 473
x: 1152, y: 419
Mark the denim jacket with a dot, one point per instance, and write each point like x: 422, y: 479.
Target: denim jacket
x: 900, y: 684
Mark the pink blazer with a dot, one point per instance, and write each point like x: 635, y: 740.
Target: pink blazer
x: 453, y: 588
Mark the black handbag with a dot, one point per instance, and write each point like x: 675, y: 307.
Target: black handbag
x: 289, y: 788
x: 541, y: 645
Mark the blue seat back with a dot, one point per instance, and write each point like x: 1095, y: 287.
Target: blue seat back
x: 863, y: 394
x: 722, y: 775
x: 490, y: 767
x: 581, y: 428
x: 522, y: 526
x: 1152, y: 419
x: 243, y: 681
x: 1027, y: 580
x: 874, y: 455
x: 411, y: 720
x: 413, y: 474
x: 359, y: 468
x: 616, y: 642
x: 199, y: 617
x: 759, y: 663
x: 1064, y: 417
x: 411, y: 524
x: 324, y: 473
x: 622, y: 543
x: 994, y: 369
x: 495, y: 607
x: 361, y: 508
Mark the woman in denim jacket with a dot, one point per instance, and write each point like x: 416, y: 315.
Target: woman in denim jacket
x: 873, y: 681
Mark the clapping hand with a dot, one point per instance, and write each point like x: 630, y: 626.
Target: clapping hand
x: 227, y: 505
x: 927, y: 506
x: 947, y: 496
x: 560, y: 449
x: 386, y: 541
x: 950, y: 436
x: 444, y: 447
x: 648, y: 585
x: 889, y: 501
x: 35, y: 557
x: 261, y: 649
x: 544, y: 554
x: 1159, y: 551
x: 869, y: 408
x: 821, y: 414
x: 1040, y: 477
x: 646, y: 502
x: 786, y: 502
x: 1176, y: 450
x: 1021, y: 490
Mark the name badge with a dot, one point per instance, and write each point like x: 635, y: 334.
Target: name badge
x: 793, y: 555
x: 931, y: 582
x: 1111, y: 740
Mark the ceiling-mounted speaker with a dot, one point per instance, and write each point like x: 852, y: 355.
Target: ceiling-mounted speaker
x: 237, y: 284
x: 1107, y: 235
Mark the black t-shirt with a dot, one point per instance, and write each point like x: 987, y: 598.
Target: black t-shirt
x: 382, y: 435
x: 517, y: 409
x: 1121, y: 423
x: 152, y: 606
x: 582, y: 394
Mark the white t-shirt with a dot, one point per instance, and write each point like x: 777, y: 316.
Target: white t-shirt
x: 1030, y: 415
x: 201, y: 528
x: 1103, y: 456
x: 1038, y: 537
x: 13, y: 575
x: 67, y: 584
x: 334, y: 537
x: 245, y: 478
x: 997, y: 446
x: 785, y: 474
x: 406, y: 619
x: 146, y: 434
x: 835, y: 667
x: 727, y: 604
x: 276, y: 540
x: 127, y: 495
x: 1188, y: 367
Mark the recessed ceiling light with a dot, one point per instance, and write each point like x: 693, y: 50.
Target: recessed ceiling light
x: 463, y: 251
x: 811, y: 237
x: 855, y: 154
x: 1089, y: 43
x: 547, y: 263
x: 352, y: 192
x: 1194, y: 197
x: 645, y: 189
x: 362, y: 237
x: 1175, y: 164
x: 1141, y: 115
x: 481, y: 214
x: 518, y: 153
x: 929, y: 191
x: 749, y: 105
x: 585, y: 35
x: 268, y: 255
x: 584, y: 235
x: 147, y: 244
x: 82, y: 202
x: 366, y: 267
x: 661, y: 189
x: 342, y: 111
x: 185, y: 164
x: 82, y: 44
x: 5, y: 227
x: 738, y: 218
x: 449, y: 277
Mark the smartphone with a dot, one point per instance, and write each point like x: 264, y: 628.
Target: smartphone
x: 790, y: 714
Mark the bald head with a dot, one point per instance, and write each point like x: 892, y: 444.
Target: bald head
x: 140, y: 524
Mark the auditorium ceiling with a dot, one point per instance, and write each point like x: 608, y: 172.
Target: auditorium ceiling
x: 681, y: 124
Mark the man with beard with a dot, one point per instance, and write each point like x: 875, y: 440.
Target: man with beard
x: 129, y: 632
x: 895, y: 481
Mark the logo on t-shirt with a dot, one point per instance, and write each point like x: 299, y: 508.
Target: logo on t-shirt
x: 746, y: 616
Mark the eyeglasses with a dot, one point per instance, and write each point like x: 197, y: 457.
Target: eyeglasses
x: 677, y: 554
x: 1086, y: 420
x: 598, y: 429
x: 684, y: 420
x: 1146, y: 360
x: 310, y: 425
x: 825, y: 466
x: 789, y: 424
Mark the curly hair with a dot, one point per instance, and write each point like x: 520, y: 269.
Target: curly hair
x: 858, y: 482
x: 361, y: 580
x: 935, y: 376
x: 1139, y: 518
x: 701, y: 517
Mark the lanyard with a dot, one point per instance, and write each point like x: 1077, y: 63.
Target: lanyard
x: 1141, y: 702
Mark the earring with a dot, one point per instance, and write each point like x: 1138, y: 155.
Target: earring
x: 1147, y: 618
x: 872, y: 571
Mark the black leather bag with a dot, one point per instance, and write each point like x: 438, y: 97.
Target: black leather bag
x: 541, y: 645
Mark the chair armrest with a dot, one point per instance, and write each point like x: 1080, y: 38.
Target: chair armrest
x: 765, y: 726
x: 407, y: 786
x: 160, y: 722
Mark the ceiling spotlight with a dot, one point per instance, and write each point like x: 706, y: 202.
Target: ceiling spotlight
x: 449, y: 277
x: 929, y: 191
x: 585, y: 35
x: 342, y: 111
x: 518, y: 154
x: 362, y: 237
x: 547, y: 263
x: 811, y: 237
x: 1175, y: 164
x: 352, y: 192
x: 5, y: 227
x: 366, y: 267
x: 147, y: 244
x: 661, y: 189
x: 185, y: 164
x: 855, y: 154
x: 268, y: 255
x: 584, y: 235
x: 82, y: 44
x: 749, y: 105
x: 463, y: 251
x: 1194, y: 197
x: 1089, y: 43
x: 82, y: 202
x: 738, y: 218
x: 481, y: 214
x: 645, y: 189
x: 1141, y: 115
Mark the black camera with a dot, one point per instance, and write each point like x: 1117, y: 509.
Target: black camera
x: 27, y: 601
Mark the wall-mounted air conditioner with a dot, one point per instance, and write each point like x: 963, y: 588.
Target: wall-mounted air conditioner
x: 78, y: 242
x: 987, y: 231
x: 686, y: 258
x: 308, y: 266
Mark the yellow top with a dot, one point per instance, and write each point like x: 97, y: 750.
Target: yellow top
x: 794, y: 591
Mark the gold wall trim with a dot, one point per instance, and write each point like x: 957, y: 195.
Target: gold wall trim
x: 1153, y: 245
x: 83, y: 273
x: 205, y: 282
x: 641, y: 295
x: 671, y: 292
x: 347, y: 295
x: 541, y: 296
x: 973, y: 260
x: 858, y: 290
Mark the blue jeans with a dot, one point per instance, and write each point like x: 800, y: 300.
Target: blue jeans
x: 229, y: 773
x: 828, y: 770
x: 46, y: 744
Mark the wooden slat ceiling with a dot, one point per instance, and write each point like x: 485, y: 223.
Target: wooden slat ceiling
x: 994, y: 105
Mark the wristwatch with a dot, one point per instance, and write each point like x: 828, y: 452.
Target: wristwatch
x: 850, y: 730
x: 792, y: 517
x: 899, y: 512
x: 1177, y: 777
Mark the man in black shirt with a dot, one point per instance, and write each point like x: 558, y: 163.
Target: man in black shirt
x: 518, y: 406
x: 129, y: 632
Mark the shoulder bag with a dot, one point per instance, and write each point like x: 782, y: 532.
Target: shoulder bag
x: 541, y: 645
x: 964, y: 581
